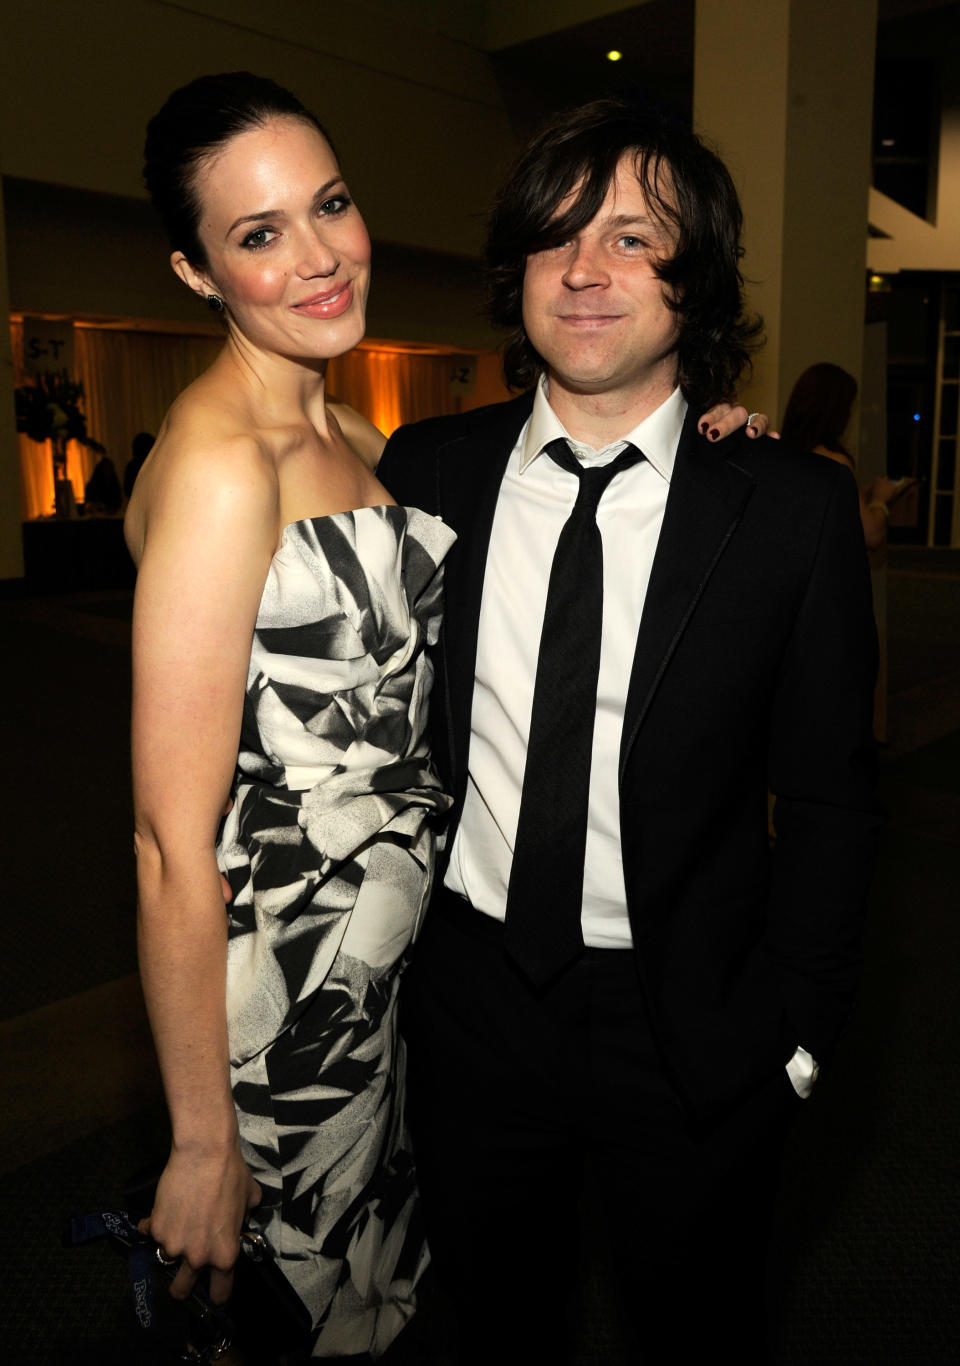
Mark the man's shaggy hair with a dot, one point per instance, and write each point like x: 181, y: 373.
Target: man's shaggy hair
x: 686, y: 186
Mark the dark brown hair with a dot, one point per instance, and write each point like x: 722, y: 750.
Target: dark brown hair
x: 195, y: 123
x: 686, y: 186
x: 818, y: 409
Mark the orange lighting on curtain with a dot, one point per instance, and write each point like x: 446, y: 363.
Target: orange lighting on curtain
x: 391, y: 386
x: 36, y: 467
x: 36, y: 457
x: 131, y: 377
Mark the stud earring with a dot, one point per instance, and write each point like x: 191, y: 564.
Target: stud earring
x: 215, y: 303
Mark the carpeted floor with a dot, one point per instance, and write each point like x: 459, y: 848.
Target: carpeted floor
x: 865, y: 1259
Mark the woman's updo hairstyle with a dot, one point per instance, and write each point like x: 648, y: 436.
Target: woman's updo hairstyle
x: 195, y: 123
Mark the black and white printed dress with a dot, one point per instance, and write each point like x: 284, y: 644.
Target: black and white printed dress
x: 329, y: 853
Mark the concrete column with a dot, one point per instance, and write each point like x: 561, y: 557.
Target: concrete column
x: 784, y: 89
x: 11, y: 535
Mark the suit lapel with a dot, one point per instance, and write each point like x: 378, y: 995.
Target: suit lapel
x: 470, y: 470
x: 708, y: 494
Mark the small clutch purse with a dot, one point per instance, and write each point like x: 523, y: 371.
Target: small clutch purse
x: 263, y: 1318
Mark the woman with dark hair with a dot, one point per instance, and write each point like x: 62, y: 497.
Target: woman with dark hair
x: 283, y: 609
x: 816, y: 418
x: 140, y: 448
x: 101, y: 493
x: 818, y: 410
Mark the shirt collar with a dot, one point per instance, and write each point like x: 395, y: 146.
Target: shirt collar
x: 658, y: 435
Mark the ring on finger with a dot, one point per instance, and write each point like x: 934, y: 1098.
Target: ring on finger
x: 163, y: 1258
x: 752, y: 419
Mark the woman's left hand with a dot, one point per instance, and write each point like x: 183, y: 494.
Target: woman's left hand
x: 723, y: 419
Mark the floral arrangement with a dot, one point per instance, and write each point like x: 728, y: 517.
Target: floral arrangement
x: 50, y: 409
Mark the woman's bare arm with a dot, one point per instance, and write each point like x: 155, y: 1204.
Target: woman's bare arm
x: 209, y: 533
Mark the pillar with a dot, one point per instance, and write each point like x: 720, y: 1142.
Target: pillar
x: 784, y: 90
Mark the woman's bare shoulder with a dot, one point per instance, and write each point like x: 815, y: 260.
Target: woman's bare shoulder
x: 204, y: 461
x: 367, y: 440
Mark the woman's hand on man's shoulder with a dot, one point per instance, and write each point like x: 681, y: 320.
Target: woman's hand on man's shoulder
x: 723, y: 419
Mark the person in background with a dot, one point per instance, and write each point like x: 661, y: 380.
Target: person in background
x: 101, y: 494
x: 816, y: 418
x: 140, y: 448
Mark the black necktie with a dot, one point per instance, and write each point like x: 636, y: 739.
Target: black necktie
x: 545, y: 894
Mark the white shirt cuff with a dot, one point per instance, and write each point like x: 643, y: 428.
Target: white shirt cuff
x: 803, y: 1072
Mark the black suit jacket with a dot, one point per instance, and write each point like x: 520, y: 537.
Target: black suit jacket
x: 754, y: 667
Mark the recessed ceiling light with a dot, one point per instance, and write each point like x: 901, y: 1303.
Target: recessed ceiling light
x: 613, y: 55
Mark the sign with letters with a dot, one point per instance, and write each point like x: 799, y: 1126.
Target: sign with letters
x: 47, y: 345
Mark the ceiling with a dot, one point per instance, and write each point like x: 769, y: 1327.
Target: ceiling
x: 570, y: 66
x: 657, y: 42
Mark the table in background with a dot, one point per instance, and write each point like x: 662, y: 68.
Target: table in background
x: 65, y: 555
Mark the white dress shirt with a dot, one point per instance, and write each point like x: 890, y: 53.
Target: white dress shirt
x: 535, y: 500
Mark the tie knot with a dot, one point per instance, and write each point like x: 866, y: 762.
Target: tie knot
x: 594, y: 478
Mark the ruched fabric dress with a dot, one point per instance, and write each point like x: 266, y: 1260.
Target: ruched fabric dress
x: 329, y: 853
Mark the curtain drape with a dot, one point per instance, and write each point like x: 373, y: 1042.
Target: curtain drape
x: 36, y: 459
x: 129, y: 381
x: 390, y: 386
x: 130, y: 378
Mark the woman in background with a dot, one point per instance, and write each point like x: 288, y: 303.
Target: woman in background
x: 140, y: 448
x: 816, y: 418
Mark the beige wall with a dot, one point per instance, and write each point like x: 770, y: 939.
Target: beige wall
x: 73, y: 111
x: 795, y: 132
x: 416, y: 116
x: 747, y: 123
x: 74, y: 252
x: 517, y: 21
x: 832, y: 45
x: 463, y: 20
x: 97, y: 255
x: 480, y: 24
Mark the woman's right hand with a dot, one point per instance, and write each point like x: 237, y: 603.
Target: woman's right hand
x: 201, y: 1204
x: 886, y: 490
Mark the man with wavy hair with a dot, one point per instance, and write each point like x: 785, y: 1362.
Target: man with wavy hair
x: 647, y: 625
